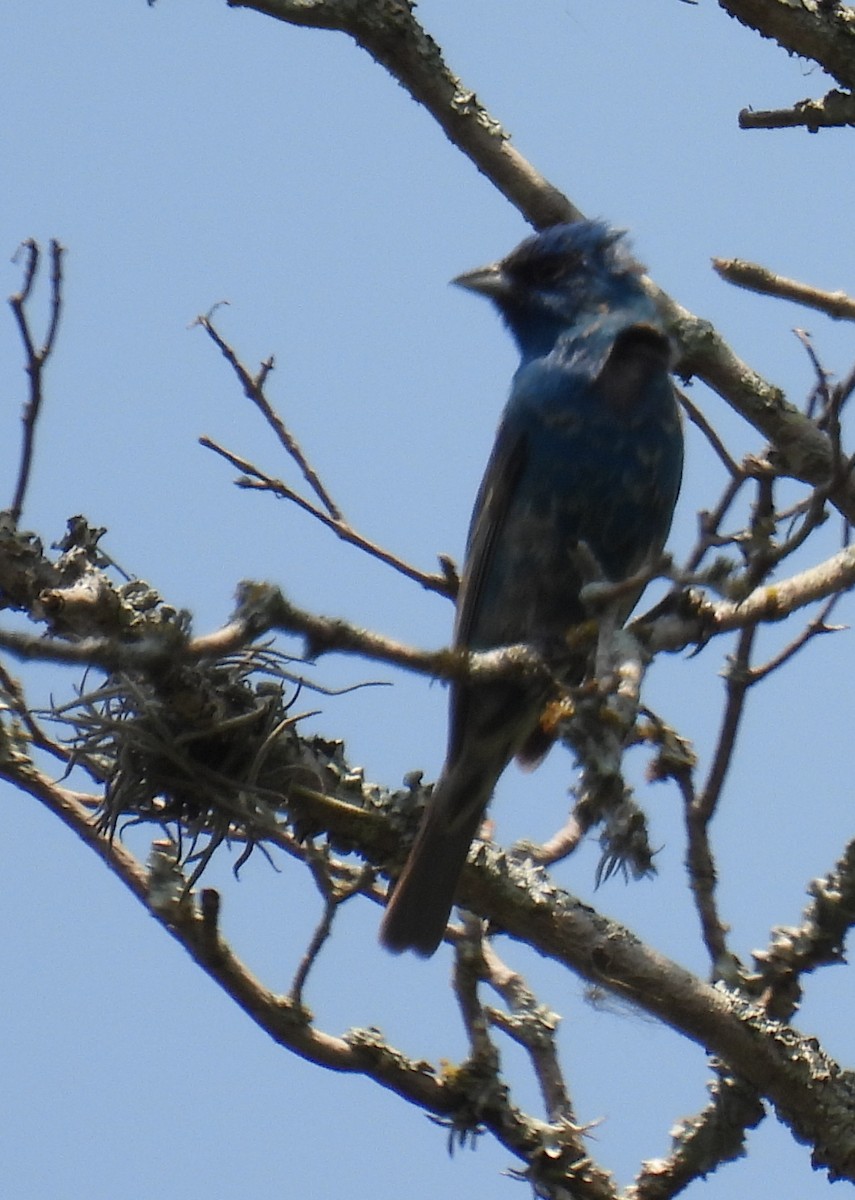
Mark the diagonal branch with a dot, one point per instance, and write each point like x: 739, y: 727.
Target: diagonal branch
x: 254, y: 477
x: 812, y: 1095
x: 389, y: 32
x: 253, y: 386
x: 818, y: 31
x: 702, y: 1143
x: 447, y: 1094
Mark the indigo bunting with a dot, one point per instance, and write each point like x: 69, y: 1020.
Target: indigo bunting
x: 589, y: 452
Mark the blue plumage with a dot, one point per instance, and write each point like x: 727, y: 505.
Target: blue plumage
x: 589, y: 450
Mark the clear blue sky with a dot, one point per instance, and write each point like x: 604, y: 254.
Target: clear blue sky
x: 187, y: 154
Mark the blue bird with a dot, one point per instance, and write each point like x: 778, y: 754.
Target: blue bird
x: 589, y: 451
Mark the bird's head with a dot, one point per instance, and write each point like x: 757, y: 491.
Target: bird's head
x: 561, y: 276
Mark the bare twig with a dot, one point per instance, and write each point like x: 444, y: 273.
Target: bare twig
x: 762, y: 604
x: 738, y: 682
x: 697, y: 418
x: 565, y: 1156
x: 36, y: 356
x: 253, y: 386
x: 814, y: 628
x: 532, y: 1026
x: 756, y: 278
x: 700, y: 808
x: 700, y: 865
x: 710, y: 522
x: 813, y: 516
x: 333, y: 893
x: 565, y: 841
x: 318, y: 940
x: 20, y: 707
x: 256, y: 478
x: 468, y: 970
x: 327, y: 511
x: 821, y: 391
x: 846, y: 387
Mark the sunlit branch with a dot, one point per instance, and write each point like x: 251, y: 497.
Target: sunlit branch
x: 833, y: 110
x: 760, y: 279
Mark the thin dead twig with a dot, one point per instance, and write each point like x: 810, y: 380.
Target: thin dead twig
x: 326, y: 511
x: 253, y: 386
x: 699, y: 420
x: 37, y: 356
x: 443, y: 583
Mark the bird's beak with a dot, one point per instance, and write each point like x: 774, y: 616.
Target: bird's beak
x: 487, y: 281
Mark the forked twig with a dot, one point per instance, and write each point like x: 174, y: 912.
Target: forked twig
x: 253, y: 386
x: 254, y: 477
x: 326, y: 510
x: 37, y: 356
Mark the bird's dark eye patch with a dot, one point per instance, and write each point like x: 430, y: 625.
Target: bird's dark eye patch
x: 545, y: 270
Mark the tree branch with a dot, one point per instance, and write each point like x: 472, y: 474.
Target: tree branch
x: 445, y: 584
x: 702, y: 1143
x: 811, y: 1094
x: 253, y: 386
x: 755, y: 278
x: 834, y: 110
x: 390, y: 33
x: 821, y: 32
x: 819, y: 940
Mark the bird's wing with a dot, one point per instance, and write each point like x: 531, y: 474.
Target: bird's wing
x: 638, y: 354
x: 492, y: 505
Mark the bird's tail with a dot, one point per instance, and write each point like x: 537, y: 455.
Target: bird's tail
x: 418, y: 912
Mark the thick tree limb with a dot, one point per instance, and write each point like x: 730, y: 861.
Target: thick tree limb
x: 819, y: 31
x: 810, y: 1092
x: 390, y: 33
